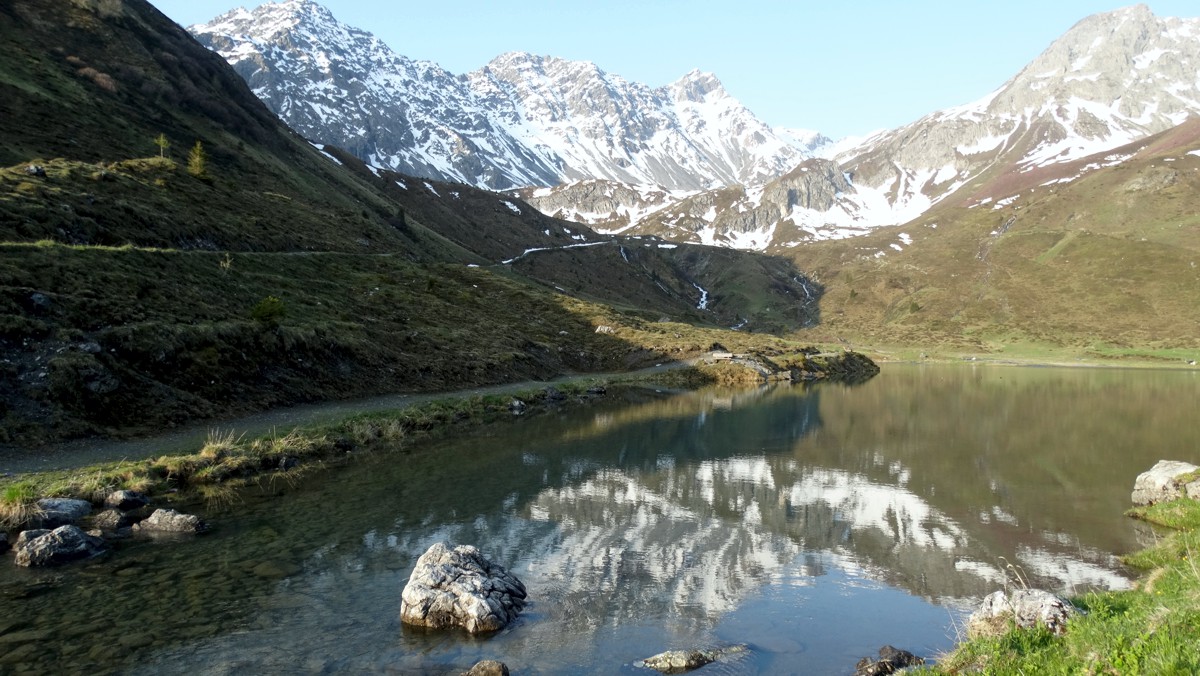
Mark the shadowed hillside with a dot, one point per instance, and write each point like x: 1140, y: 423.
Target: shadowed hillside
x: 170, y: 251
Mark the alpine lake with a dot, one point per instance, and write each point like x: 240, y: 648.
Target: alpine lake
x: 813, y: 524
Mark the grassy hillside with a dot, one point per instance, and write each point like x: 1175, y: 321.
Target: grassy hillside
x: 142, y: 284
x: 1104, y: 264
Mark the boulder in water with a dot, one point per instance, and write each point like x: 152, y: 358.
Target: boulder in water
x: 170, y: 521
x: 57, y: 512
x: 458, y: 587
x: 126, y: 500
x: 890, y: 661
x: 43, y: 548
x: 679, y: 661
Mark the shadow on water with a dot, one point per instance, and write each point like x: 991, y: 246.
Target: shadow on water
x: 801, y: 520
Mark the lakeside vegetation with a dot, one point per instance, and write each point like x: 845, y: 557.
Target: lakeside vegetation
x: 1151, y: 629
x: 228, y: 461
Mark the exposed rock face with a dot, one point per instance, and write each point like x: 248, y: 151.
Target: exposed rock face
x: 62, y: 511
x: 679, y: 661
x: 520, y: 120
x: 460, y: 588
x: 170, y: 521
x: 1162, y: 483
x: 54, y: 548
x: 1027, y: 608
x: 890, y: 661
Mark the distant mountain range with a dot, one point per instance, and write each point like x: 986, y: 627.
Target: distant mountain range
x: 687, y: 161
x: 520, y: 120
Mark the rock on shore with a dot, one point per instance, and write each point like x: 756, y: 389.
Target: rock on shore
x: 1165, y: 482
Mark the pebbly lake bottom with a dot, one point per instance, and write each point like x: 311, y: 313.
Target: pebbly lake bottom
x: 814, y: 524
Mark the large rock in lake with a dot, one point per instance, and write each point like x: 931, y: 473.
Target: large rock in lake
x: 1026, y: 608
x: 56, y: 547
x: 459, y: 588
x: 1163, y: 483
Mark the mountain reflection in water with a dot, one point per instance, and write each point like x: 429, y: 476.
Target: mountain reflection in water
x: 815, y: 524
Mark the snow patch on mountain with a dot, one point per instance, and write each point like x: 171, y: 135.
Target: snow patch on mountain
x: 520, y: 120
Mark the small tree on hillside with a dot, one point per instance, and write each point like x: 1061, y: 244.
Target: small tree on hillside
x: 198, y: 161
x: 163, y: 144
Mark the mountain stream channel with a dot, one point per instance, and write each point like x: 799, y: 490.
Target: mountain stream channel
x: 813, y: 524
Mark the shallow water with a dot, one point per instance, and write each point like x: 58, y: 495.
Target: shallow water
x: 814, y: 524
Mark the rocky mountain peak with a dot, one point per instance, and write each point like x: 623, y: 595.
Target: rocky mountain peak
x: 696, y: 86
x: 521, y: 120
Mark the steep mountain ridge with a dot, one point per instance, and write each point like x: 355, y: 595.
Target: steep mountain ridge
x: 171, y: 251
x: 520, y: 120
x: 1112, y: 79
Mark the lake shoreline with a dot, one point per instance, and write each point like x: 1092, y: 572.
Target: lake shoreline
x: 227, y: 461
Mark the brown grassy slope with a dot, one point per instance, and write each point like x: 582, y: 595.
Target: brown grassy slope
x: 1108, y: 259
x: 85, y: 89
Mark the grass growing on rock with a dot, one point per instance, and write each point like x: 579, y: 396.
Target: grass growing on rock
x: 1151, y: 629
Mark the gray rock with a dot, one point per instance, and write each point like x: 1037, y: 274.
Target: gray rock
x: 170, y: 521
x: 1026, y: 608
x: 679, y: 661
x: 25, y: 536
x: 61, y: 545
x: 488, y: 668
x: 126, y: 500
x: 460, y: 588
x: 62, y: 511
x: 1161, y: 483
x: 890, y: 661
x: 112, y: 520
x: 36, y: 170
x: 517, y: 406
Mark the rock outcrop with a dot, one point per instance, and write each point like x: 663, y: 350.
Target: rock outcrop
x: 1026, y: 608
x: 44, y: 548
x: 1166, y: 481
x: 460, y: 588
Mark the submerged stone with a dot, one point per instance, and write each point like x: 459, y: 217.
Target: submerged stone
x: 126, y: 500
x: 890, y: 661
x: 679, y: 661
x: 460, y: 588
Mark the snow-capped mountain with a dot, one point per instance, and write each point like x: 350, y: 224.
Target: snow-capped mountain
x: 1112, y: 79
x: 520, y: 120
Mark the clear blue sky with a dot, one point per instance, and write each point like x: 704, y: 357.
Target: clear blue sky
x: 843, y: 68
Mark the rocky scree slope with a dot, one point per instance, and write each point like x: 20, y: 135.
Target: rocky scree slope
x: 520, y: 120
